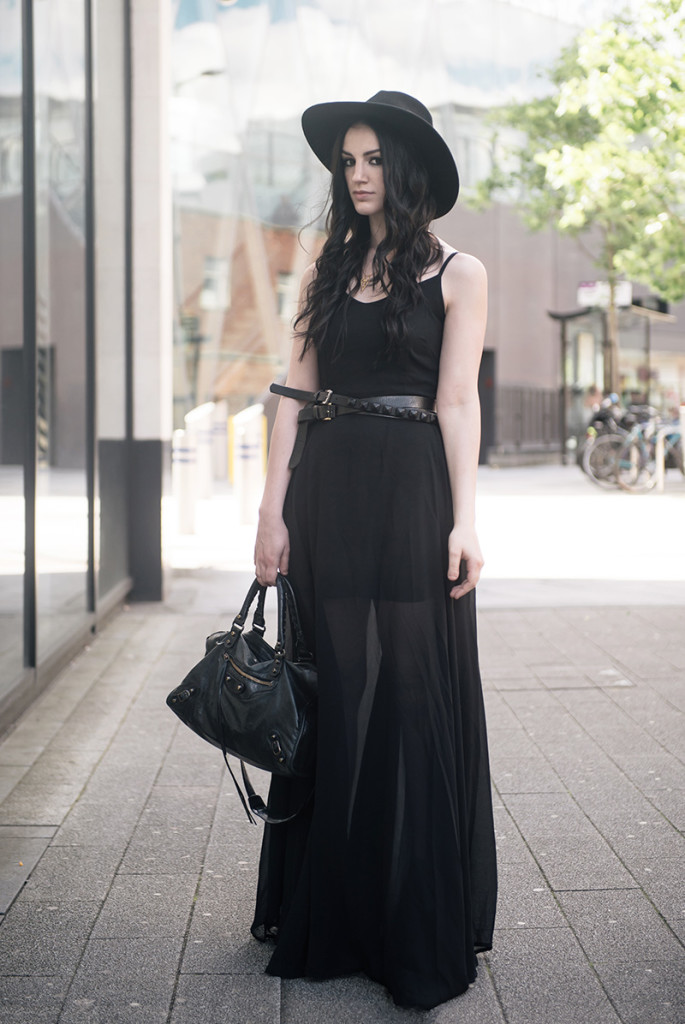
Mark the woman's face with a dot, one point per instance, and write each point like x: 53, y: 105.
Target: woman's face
x: 363, y: 165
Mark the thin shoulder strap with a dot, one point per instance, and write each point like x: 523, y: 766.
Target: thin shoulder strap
x: 442, y: 268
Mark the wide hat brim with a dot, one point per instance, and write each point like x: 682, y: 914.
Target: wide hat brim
x: 323, y: 123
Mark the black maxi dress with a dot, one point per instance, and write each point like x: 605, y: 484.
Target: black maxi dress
x: 390, y: 870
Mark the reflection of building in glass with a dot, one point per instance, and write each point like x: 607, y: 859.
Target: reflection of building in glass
x: 235, y: 313
x: 243, y: 77
x: 82, y: 370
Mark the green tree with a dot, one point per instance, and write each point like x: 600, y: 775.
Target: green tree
x: 605, y: 151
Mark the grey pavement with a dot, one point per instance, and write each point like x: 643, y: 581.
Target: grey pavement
x: 127, y: 868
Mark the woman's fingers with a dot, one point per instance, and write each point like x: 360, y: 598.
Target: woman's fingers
x: 285, y: 558
x: 266, y: 570
x: 272, y: 554
x: 464, y: 562
x: 454, y: 564
x: 470, y: 578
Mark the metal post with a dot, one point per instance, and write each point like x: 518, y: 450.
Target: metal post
x: 608, y: 382
x: 90, y: 353
x: 660, y: 457
x: 648, y: 360
x: 29, y: 339
x: 127, y: 169
x: 563, y: 412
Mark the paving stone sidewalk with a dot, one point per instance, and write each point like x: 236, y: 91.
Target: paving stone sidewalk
x: 127, y: 868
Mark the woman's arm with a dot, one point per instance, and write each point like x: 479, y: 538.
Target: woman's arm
x: 464, y: 287
x: 272, y: 547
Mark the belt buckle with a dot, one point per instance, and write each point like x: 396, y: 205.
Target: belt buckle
x: 323, y: 410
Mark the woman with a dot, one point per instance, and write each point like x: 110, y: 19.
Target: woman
x: 369, y: 509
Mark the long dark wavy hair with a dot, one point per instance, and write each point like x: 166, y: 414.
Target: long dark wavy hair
x: 400, y: 260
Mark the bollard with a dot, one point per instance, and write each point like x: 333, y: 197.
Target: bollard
x: 660, y: 458
x: 220, y: 440
x: 248, y: 434
x: 183, y: 480
x: 199, y: 424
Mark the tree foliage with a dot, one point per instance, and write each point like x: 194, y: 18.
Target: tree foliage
x: 606, y: 149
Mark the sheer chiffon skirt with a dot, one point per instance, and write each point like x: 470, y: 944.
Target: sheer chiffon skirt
x: 391, y: 868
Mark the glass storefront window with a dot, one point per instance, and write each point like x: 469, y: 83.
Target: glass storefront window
x: 667, y: 379
x: 61, y: 501
x: 11, y: 348
x: 634, y: 369
x: 584, y: 370
x: 648, y: 375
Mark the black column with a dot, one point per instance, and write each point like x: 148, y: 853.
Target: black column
x: 29, y: 340
x: 91, y: 369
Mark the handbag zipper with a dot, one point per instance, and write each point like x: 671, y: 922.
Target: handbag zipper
x: 246, y: 675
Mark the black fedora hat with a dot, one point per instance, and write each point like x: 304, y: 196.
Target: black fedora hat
x: 323, y: 123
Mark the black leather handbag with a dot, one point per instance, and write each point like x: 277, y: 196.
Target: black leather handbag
x: 252, y: 701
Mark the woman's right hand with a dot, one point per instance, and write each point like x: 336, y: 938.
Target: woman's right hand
x: 272, y: 550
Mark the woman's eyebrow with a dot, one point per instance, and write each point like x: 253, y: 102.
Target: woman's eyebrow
x: 369, y: 152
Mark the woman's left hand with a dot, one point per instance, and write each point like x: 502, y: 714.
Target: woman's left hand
x: 463, y: 547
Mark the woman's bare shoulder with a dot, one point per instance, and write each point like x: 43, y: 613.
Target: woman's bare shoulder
x: 463, y: 271
x: 466, y: 267
x: 307, y: 278
x: 309, y: 274
x: 464, y: 277
x: 463, y: 266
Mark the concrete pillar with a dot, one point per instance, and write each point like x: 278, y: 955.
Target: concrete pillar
x: 109, y: 48
x: 152, y: 291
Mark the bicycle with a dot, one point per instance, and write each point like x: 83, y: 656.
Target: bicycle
x: 605, y: 435
x: 636, y: 460
x: 600, y: 457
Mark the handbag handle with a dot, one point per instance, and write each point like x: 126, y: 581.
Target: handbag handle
x: 287, y: 612
x: 287, y: 609
x: 258, y: 618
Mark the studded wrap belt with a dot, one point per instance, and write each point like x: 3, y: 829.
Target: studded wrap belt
x: 326, y: 405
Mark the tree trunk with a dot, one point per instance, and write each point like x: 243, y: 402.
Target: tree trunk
x: 611, y: 381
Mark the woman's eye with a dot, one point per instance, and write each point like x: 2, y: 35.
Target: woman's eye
x: 376, y: 161
x: 348, y: 161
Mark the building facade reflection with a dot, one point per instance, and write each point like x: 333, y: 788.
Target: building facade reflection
x: 246, y: 184
x: 64, y: 445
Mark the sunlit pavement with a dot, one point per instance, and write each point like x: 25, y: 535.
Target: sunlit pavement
x: 548, y: 534
x: 128, y: 870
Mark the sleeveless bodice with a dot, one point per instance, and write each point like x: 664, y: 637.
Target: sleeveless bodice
x: 361, y: 369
